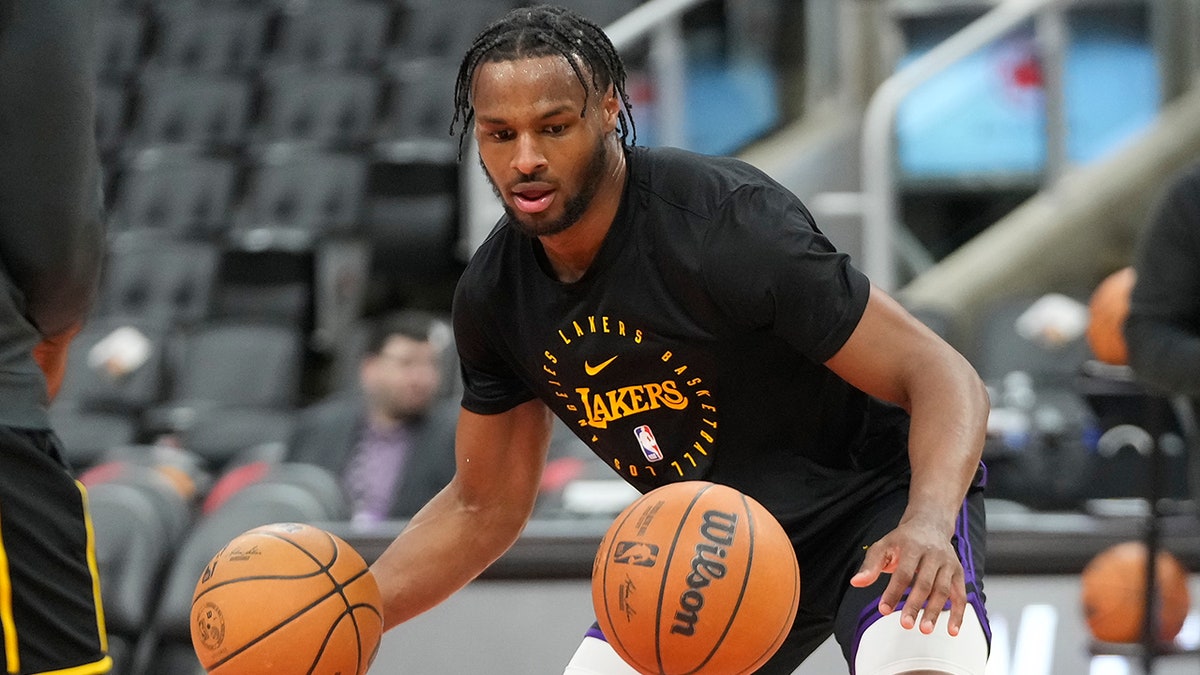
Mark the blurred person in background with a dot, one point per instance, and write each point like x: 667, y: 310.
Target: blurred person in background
x: 1162, y: 331
x: 51, y: 250
x: 391, y: 439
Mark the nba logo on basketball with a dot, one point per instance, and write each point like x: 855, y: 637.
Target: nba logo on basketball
x: 635, y: 553
x: 646, y: 439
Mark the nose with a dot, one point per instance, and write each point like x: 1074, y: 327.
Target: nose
x: 528, y: 158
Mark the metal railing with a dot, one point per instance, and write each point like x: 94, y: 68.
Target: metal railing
x: 883, y: 234
x: 660, y: 21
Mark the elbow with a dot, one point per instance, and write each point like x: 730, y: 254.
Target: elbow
x: 62, y: 289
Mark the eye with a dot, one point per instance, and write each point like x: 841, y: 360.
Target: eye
x: 502, y: 135
x: 556, y: 129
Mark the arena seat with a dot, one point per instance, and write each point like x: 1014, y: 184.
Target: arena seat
x: 439, y: 30
x: 137, y: 519
x: 420, y: 101
x: 324, y: 107
x: 87, y: 434
x: 219, y: 435
x: 296, y: 195
x: 155, y: 278
x: 120, y: 36
x: 230, y: 364
x: 93, y: 383
x: 218, y: 38
x: 199, y: 110
x: 184, y: 194
x: 347, y: 34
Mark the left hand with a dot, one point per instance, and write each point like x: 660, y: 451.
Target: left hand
x: 917, y: 554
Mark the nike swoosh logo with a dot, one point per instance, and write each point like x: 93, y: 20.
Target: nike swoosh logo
x: 592, y: 370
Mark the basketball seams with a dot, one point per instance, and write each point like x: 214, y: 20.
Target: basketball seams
x: 607, y: 552
x: 325, y: 643
x: 322, y: 568
x: 270, y: 631
x: 737, y: 635
x: 741, y: 592
x: 786, y: 625
x: 349, y: 607
x: 666, y: 569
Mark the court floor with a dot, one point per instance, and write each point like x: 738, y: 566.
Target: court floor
x: 532, y: 628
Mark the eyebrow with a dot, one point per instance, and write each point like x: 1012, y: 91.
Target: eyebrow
x: 554, y: 112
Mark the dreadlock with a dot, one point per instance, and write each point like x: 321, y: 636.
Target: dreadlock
x: 545, y: 30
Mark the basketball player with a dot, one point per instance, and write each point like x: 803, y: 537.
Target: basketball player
x: 688, y: 320
x: 51, y: 245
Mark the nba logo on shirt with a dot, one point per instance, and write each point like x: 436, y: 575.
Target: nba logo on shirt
x: 650, y: 448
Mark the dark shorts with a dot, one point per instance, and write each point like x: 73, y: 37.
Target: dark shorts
x: 50, y: 609
x: 829, y: 605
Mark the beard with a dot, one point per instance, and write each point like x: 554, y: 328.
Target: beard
x: 575, y: 206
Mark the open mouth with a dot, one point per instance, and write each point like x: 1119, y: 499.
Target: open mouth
x: 533, y: 200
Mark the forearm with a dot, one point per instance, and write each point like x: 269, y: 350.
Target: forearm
x: 946, y: 437
x: 444, y: 547
x: 475, y: 519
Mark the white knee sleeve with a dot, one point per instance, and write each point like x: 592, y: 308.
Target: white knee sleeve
x: 596, y: 657
x: 887, y: 648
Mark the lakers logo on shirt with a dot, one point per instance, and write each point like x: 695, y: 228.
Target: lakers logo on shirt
x: 639, y: 402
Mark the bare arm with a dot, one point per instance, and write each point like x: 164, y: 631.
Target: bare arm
x: 475, y: 519
x: 892, y: 356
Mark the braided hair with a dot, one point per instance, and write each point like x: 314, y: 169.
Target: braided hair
x: 545, y: 30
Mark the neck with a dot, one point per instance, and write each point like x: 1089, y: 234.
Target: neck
x: 572, y: 251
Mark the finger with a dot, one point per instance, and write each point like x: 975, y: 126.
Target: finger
x: 958, y: 603
x: 877, y: 561
x: 935, y: 602
x: 918, y: 586
x: 901, y: 582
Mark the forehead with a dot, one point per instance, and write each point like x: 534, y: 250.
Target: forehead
x: 541, y: 80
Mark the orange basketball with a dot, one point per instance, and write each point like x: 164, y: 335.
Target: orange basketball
x: 695, y: 577
x: 1107, y: 310
x: 286, y: 598
x: 1114, y: 590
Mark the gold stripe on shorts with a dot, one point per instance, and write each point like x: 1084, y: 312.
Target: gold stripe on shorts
x: 100, y: 667
x: 11, y: 651
x: 94, y: 569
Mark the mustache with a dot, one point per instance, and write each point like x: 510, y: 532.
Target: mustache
x: 528, y: 178
x: 536, y: 177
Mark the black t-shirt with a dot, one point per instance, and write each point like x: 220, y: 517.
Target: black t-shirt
x: 692, y: 348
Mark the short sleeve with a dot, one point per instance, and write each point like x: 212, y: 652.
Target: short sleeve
x: 770, y: 268
x: 490, y: 385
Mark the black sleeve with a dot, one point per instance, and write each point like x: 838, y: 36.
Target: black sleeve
x: 490, y: 385
x: 1163, y: 328
x: 51, y: 229
x: 770, y: 268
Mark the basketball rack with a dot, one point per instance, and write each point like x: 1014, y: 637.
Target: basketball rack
x: 1152, y: 433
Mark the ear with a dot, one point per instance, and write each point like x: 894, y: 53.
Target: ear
x: 610, y: 108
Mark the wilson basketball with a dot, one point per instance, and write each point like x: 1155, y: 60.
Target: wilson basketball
x: 283, y: 599
x: 1107, y: 310
x: 695, y: 577
x: 1114, y: 591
